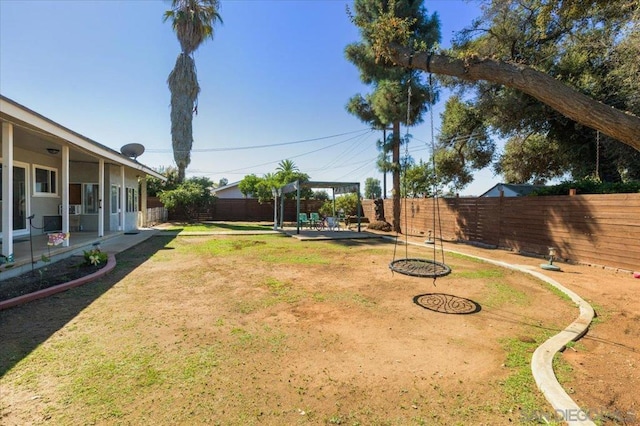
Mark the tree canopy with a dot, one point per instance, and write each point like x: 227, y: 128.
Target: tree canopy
x: 192, y: 196
x: 372, y: 188
x: 399, y: 94
x: 560, y: 71
x: 262, y: 187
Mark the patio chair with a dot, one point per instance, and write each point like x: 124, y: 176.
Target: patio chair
x: 333, y: 223
x: 315, y: 219
x: 303, y: 220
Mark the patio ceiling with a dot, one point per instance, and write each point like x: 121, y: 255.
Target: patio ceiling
x: 37, y: 133
x: 338, y: 187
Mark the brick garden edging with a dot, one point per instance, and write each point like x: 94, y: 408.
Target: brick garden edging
x: 40, y: 294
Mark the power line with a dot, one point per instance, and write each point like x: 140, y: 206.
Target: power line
x: 244, y: 169
x: 240, y: 148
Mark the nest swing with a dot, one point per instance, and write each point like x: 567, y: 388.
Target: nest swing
x: 417, y: 267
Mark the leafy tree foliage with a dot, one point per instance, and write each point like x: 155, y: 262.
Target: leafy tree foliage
x: 464, y: 144
x: 155, y: 185
x: 372, y: 188
x: 419, y: 180
x: 389, y: 102
x: 591, y: 45
x: 261, y: 187
x: 348, y: 203
x: 512, y: 59
x: 321, y: 195
x: 589, y: 186
x: 192, y: 196
x: 532, y: 159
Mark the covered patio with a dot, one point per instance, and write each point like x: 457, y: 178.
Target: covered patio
x: 336, y: 187
x: 54, y: 181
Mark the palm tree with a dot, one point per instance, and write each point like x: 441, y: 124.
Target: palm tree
x: 287, y: 167
x: 192, y: 21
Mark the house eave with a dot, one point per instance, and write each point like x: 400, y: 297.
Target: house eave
x: 19, y: 115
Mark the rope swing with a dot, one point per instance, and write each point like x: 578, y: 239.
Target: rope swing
x: 416, y: 267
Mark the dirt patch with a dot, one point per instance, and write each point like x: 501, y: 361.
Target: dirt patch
x: 605, y: 363
x: 270, y: 330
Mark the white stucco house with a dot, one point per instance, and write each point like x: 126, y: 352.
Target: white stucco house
x: 231, y: 190
x: 55, y: 179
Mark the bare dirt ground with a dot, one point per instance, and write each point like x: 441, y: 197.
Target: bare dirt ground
x: 605, y: 362
x: 309, y: 333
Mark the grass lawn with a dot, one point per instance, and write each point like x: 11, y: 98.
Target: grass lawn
x: 217, y: 227
x: 266, y: 329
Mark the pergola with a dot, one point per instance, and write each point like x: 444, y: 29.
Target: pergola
x: 337, y: 188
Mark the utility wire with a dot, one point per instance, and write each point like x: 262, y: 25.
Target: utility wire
x: 244, y: 169
x: 240, y: 148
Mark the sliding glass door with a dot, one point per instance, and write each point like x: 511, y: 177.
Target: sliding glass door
x: 19, y: 202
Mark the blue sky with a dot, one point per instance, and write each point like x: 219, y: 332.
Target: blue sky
x: 274, y: 74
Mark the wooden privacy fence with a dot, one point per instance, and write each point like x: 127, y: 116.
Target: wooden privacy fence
x: 156, y: 215
x: 248, y: 209
x: 592, y: 229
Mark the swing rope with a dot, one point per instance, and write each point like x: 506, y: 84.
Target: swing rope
x: 436, y: 197
x: 414, y: 266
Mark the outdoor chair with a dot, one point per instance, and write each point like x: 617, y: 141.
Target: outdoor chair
x: 333, y: 223
x: 303, y: 220
x: 315, y: 219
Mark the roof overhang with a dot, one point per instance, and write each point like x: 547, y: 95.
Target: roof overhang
x: 18, y: 115
x: 338, y: 187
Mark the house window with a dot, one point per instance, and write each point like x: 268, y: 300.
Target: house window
x: 44, y: 180
x: 90, y: 198
x: 115, y: 199
x: 132, y: 200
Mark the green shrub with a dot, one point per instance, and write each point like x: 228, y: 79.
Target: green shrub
x: 348, y: 203
x: 589, y: 186
x: 94, y: 257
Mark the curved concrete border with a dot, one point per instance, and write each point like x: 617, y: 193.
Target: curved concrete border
x: 6, y: 304
x: 542, y: 359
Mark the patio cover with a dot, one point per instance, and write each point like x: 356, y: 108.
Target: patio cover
x: 337, y: 187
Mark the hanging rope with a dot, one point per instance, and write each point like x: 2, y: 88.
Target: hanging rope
x: 436, y: 198
x: 597, y: 154
x: 413, y: 266
x: 404, y: 174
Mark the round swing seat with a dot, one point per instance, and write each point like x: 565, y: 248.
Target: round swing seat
x: 420, y: 268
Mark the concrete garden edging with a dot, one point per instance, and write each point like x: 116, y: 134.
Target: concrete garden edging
x: 111, y: 263
x: 542, y: 359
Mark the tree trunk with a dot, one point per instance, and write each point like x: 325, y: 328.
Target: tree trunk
x: 183, y: 84
x: 384, y: 171
x: 396, y: 176
x: 622, y: 126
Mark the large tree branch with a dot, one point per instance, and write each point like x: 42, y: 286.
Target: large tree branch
x: 622, y: 126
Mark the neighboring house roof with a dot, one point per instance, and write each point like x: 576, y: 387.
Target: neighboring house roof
x: 231, y: 190
x: 23, y: 117
x: 510, y: 190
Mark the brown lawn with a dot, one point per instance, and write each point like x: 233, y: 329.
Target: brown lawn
x: 271, y: 330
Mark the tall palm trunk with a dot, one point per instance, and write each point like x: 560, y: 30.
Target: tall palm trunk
x: 183, y: 84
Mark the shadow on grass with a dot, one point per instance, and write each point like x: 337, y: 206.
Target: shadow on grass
x: 238, y: 227
x: 23, y: 328
x: 221, y: 226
